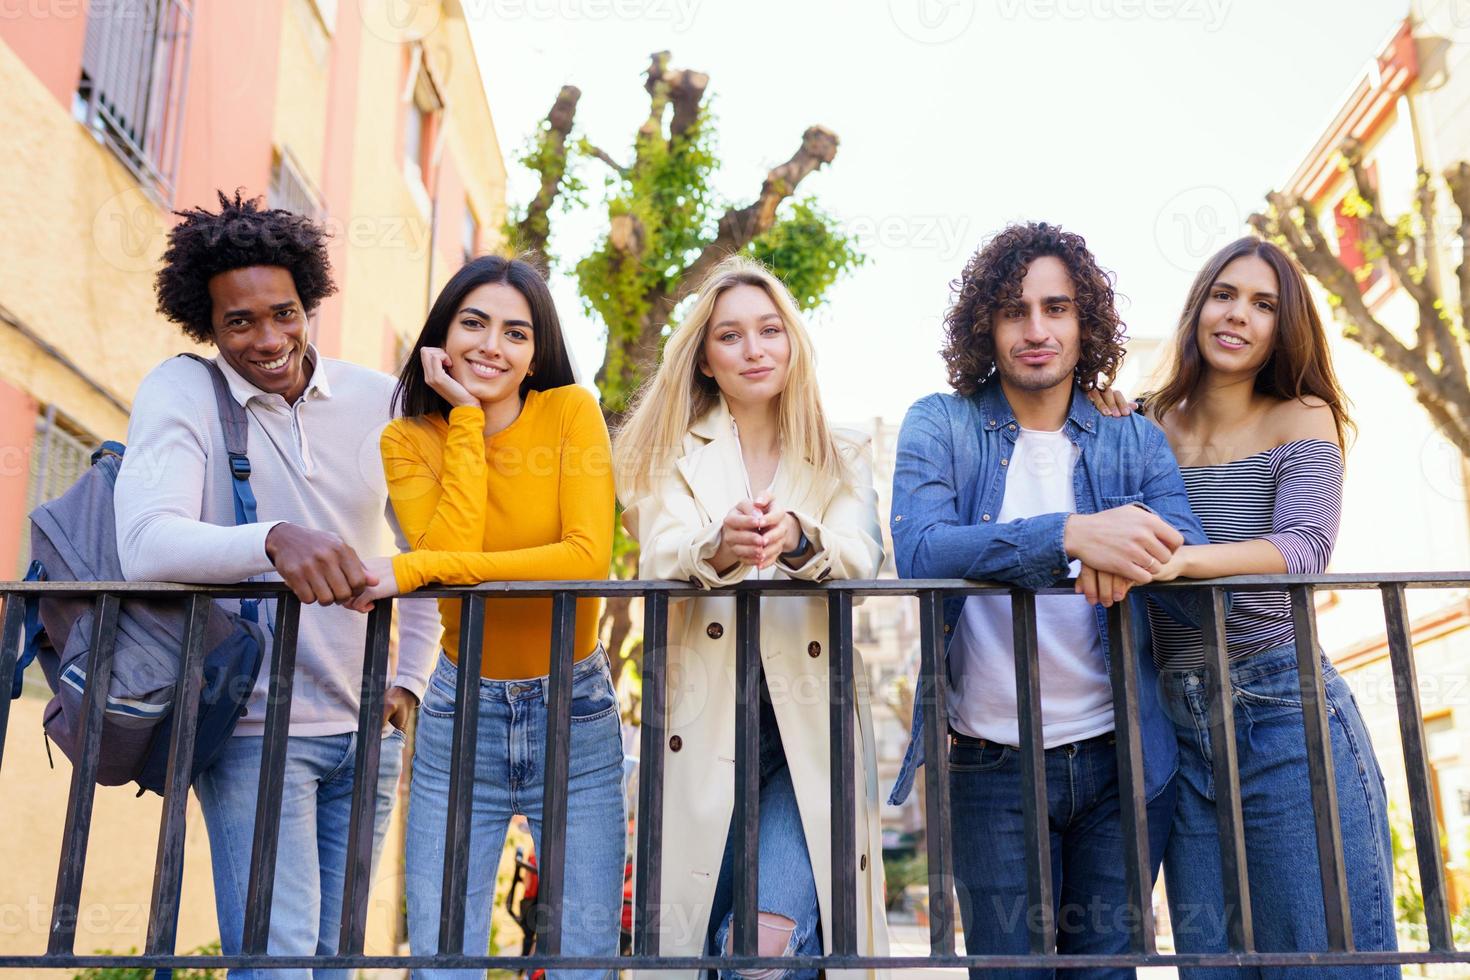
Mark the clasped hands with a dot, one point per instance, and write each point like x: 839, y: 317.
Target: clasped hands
x: 1121, y: 548
x: 756, y: 532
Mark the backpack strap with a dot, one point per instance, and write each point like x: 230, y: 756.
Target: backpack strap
x: 236, y: 426
x: 31, y: 632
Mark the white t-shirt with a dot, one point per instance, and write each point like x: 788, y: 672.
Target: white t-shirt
x: 1076, y: 698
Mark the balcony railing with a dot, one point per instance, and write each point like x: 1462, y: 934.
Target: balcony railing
x: 159, y: 950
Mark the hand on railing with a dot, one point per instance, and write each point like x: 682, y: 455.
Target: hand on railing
x: 383, y: 585
x: 316, y: 565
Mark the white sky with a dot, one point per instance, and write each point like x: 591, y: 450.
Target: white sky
x: 1152, y: 127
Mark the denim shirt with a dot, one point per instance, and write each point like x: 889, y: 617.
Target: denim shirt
x: 948, y: 485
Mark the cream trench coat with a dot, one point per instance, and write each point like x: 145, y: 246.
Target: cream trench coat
x: 678, y: 527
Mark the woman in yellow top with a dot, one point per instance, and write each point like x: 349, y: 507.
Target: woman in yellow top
x: 499, y: 469
x: 729, y: 471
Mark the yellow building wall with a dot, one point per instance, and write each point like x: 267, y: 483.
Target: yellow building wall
x: 387, y: 290
x: 81, y: 242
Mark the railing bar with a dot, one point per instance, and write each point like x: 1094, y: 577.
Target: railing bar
x: 1416, y: 768
x: 168, y: 866
x: 462, y: 775
x: 841, y: 772
x: 10, y: 640
x: 78, y: 824
x: 265, y: 836
x: 1132, y: 784
x: 1239, y: 928
x: 554, y: 789
x: 648, y: 881
x: 1041, y: 912
x: 938, y: 832
x: 1321, y: 771
x: 357, y: 879
x: 746, y: 817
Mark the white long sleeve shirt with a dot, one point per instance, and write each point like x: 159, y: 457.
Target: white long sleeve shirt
x: 315, y: 463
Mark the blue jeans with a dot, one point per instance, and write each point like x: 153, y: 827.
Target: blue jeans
x: 786, y: 885
x: 311, y: 856
x: 1090, y: 894
x: 1276, y: 803
x: 509, y: 779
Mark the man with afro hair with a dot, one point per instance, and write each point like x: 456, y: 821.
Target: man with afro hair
x: 247, y: 279
x: 1016, y: 477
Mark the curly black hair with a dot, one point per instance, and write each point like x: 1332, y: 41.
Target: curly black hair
x: 992, y: 281
x: 242, y: 234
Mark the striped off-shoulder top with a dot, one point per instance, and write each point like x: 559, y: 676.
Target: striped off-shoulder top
x: 1290, y: 496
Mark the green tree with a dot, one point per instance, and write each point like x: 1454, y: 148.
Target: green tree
x: 666, y: 229
x: 1432, y: 362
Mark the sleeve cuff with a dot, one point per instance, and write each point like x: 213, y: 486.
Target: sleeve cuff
x: 697, y: 555
x: 819, y: 565
x: 404, y: 573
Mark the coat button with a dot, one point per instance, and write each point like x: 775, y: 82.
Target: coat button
x: 675, y: 743
x: 814, y: 649
x: 714, y: 631
x: 863, y: 863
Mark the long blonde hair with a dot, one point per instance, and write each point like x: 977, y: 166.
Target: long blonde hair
x: 679, y: 394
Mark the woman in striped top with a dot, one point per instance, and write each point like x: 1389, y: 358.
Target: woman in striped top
x: 1254, y: 413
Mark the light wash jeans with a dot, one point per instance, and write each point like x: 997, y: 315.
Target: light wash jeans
x: 509, y: 779
x: 785, y: 883
x: 311, y: 856
x: 1280, y: 838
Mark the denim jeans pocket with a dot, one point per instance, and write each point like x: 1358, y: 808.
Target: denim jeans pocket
x: 978, y: 756
x: 438, y: 699
x: 593, y: 697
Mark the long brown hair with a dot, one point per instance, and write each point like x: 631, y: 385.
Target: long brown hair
x: 1300, y: 364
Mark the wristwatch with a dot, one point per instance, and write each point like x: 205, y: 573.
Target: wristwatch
x: 802, y: 544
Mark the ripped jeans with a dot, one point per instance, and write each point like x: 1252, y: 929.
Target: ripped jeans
x: 786, y: 884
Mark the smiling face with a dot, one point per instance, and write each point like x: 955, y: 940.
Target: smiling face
x: 747, y: 350
x: 492, y: 342
x: 260, y: 328
x: 1038, y: 341
x: 1237, y: 324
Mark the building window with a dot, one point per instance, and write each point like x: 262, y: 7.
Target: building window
x: 289, y: 189
x: 470, y: 235
x: 61, y: 453
x: 413, y: 142
x: 134, y: 81
x: 423, y: 104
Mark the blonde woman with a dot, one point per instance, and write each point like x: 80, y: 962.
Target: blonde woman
x: 728, y: 471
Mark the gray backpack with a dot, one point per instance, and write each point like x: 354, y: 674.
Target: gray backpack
x: 73, y: 538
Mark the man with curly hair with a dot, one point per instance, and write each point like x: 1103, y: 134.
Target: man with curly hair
x: 247, y: 279
x: 1015, y: 477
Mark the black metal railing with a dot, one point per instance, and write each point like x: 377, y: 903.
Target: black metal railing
x: 163, y: 910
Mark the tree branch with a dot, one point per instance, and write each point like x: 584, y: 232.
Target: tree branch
x: 1458, y: 179
x: 534, y: 228
x: 1388, y: 239
x: 605, y: 157
x: 738, y: 226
